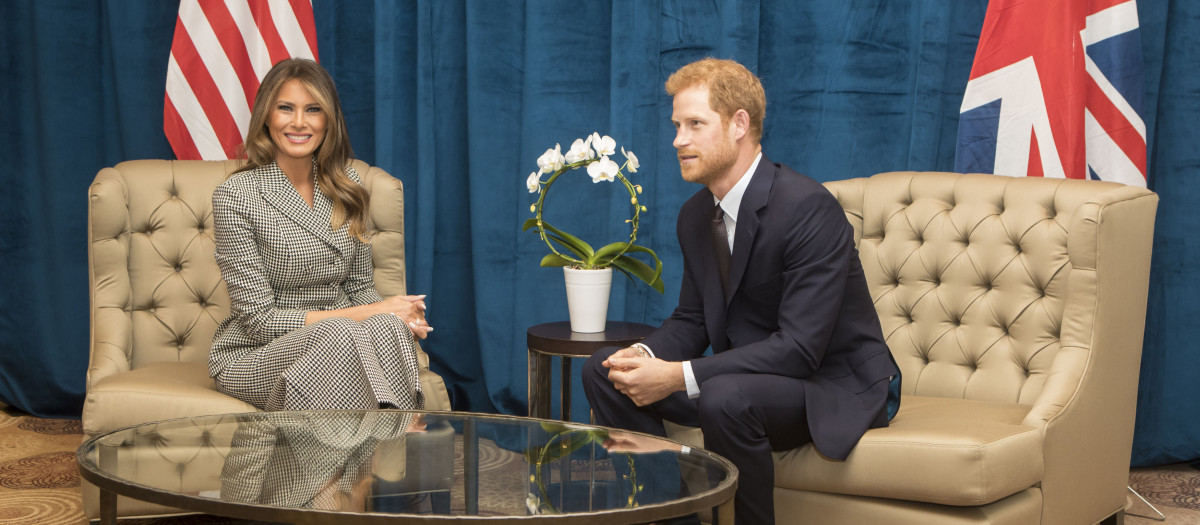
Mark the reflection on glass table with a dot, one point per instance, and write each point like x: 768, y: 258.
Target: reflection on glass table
x: 383, y: 466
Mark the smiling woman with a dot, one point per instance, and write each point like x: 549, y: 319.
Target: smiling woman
x: 297, y: 127
x: 298, y: 98
x: 306, y: 328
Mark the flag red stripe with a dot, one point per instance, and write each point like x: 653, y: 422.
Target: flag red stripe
x: 1100, y: 5
x: 308, y: 24
x: 1016, y: 29
x: 181, y: 39
x: 195, y: 85
x: 1119, y: 129
x: 1035, y: 158
x: 177, y: 133
x: 206, y: 92
x: 232, y: 44
x: 266, y: 27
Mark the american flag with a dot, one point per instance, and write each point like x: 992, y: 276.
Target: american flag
x: 1056, y: 90
x: 221, y: 51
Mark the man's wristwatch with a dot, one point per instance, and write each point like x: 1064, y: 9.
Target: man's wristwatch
x: 642, y: 350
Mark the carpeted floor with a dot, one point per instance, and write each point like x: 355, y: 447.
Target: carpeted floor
x: 1173, y: 489
x: 39, y: 480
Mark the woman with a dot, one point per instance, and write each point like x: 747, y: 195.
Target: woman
x: 306, y: 328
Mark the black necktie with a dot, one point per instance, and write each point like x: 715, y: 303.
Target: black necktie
x: 721, y: 246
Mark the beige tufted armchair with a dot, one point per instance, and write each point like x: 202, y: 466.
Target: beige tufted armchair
x: 157, y: 297
x: 1015, y: 309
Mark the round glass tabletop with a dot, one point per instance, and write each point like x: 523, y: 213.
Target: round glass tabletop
x: 385, y: 465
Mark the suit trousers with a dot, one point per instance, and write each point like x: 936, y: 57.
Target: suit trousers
x: 744, y: 418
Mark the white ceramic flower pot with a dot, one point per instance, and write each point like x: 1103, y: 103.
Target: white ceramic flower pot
x: 587, y: 298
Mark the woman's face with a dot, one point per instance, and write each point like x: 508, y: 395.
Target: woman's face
x: 296, y: 123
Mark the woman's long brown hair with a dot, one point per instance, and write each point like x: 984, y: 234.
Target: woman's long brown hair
x: 332, y: 157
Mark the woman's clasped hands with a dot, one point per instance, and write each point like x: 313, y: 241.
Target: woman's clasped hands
x: 411, y: 309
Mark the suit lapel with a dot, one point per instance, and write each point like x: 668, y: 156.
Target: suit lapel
x: 753, y: 200
x: 279, y: 192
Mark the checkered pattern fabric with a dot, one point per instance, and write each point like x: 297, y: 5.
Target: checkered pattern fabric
x: 307, y: 460
x: 281, y: 259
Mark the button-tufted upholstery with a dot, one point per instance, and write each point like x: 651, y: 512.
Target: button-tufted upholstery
x: 157, y: 296
x: 1015, y: 309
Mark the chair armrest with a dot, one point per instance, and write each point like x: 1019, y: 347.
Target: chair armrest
x: 108, y: 276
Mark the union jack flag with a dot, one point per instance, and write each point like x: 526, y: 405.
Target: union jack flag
x: 1056, y: 90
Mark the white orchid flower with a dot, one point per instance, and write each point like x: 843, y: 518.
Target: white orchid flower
x: 631, y: 160
x: 580, y: 150
x: 534, y: 182
x: 551, y: 160
x: 603, y: 170
x: 605, y: 145
x: 591, y: 153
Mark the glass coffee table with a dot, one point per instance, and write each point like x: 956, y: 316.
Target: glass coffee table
x: 386, y: 466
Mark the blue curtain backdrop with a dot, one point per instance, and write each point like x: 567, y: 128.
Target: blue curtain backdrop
x: 458, y: 99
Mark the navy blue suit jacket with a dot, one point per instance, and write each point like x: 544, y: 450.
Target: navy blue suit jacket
x: 798, y: 304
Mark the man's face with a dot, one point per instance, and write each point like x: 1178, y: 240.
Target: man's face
x: 705, y: 145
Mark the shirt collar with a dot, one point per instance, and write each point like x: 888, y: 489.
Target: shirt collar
x: 733, y: 200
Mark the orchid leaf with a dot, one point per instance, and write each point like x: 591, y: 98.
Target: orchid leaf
x: 576, y: 246
x: 570, y: 247
x: 555, y: 260
x: 554, y: 427
x: 657, y: 262
x: 641, y: 270
x: 570, y: 241
x: 625, y: 272
x: 604, y: 256
x: 570, y: 441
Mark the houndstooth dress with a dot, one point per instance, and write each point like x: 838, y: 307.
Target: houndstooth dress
x: 281, y: 259
x: 308, y: 460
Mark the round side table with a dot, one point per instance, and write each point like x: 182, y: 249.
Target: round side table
x: 557, y: 339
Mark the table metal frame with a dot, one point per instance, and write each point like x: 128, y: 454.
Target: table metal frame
x: 720, y: 499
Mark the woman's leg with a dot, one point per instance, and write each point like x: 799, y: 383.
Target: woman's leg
x: 320, y: 366
x: 393, y: 353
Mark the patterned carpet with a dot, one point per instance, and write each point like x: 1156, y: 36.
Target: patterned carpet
x: 39, y: 480
x: 1173, y: 489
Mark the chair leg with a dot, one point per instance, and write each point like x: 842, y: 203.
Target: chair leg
x: 1115, y: 519
x: 1160, y: 517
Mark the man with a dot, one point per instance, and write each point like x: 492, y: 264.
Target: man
x: 772, y: 281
